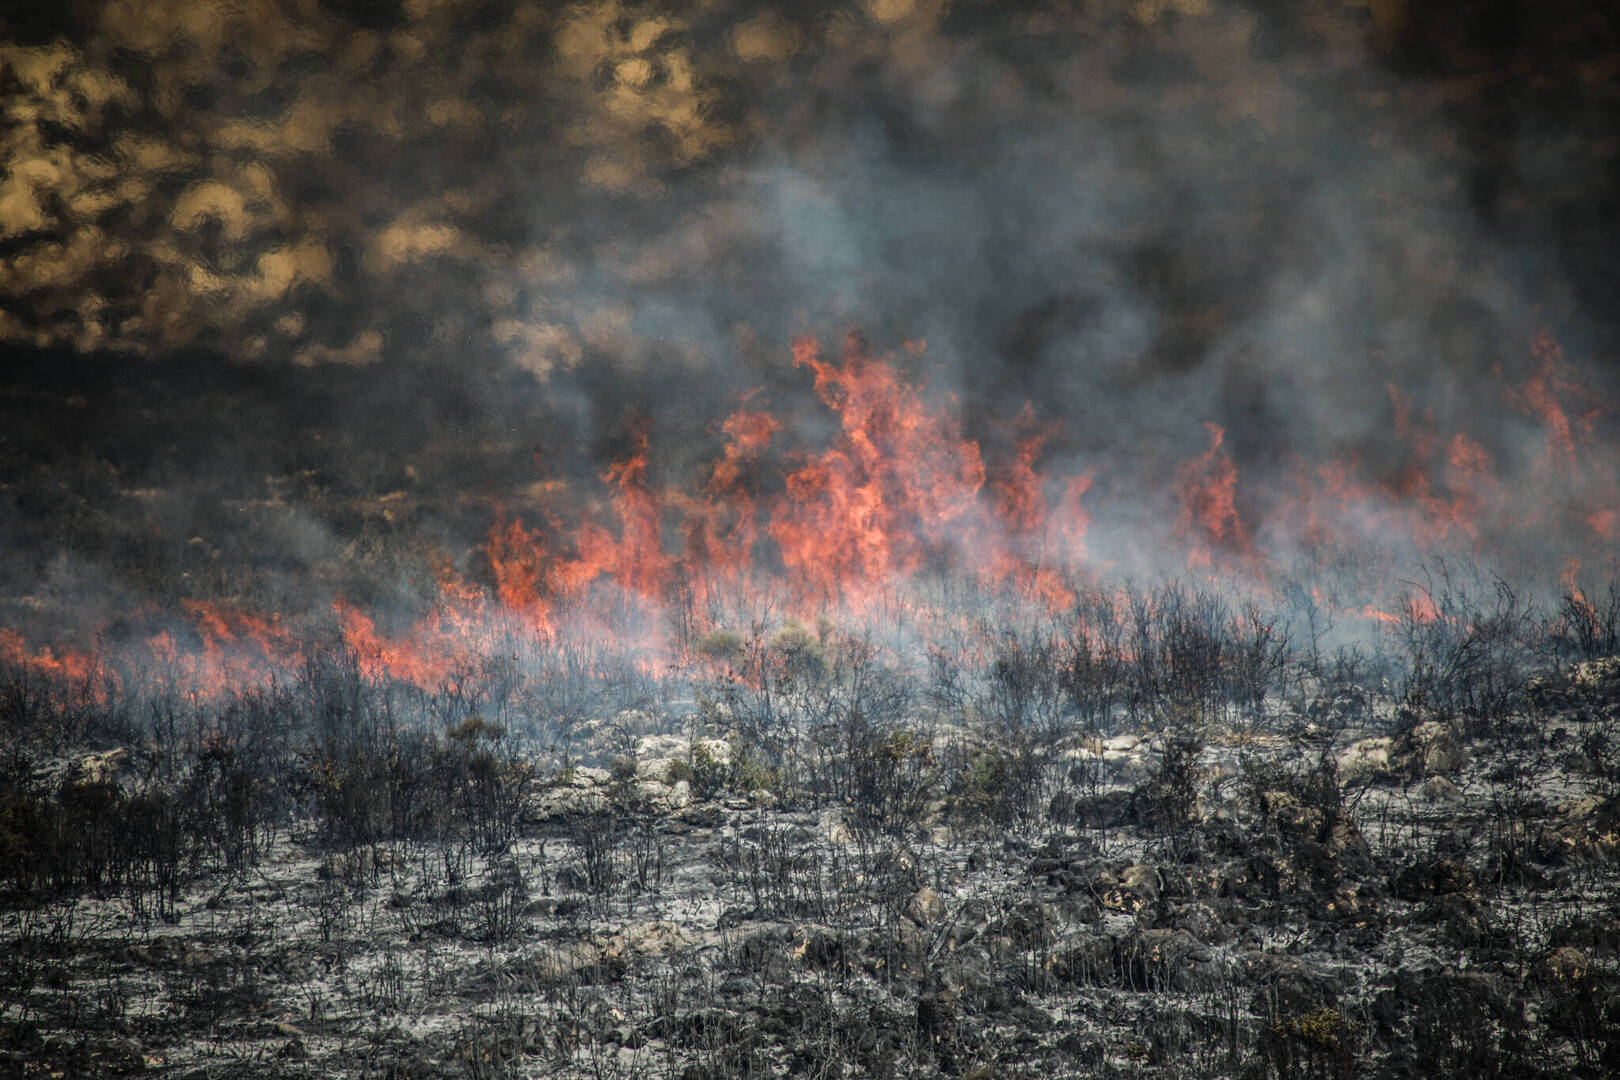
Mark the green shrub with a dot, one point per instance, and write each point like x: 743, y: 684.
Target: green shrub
x: 797, y: 655
x: 996, y: 785
x: 721, y: 645
x: 749, y: 774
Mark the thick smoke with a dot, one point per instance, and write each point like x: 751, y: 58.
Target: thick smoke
x: 297, y: 294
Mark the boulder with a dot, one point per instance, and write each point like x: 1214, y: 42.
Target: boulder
x: 1432, y: 877
x: 1430, y: 749
x: 1566, y: 964
x: 657, y: 938
x: 1202, y: 921
x: 1138, y: 887
x: 1440, y: 790
x: 1167, y: 959
x: 103, y: 768
x: 1364, y: 760
x: 926, y: 907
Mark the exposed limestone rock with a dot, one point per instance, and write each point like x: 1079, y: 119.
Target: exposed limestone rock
x: 1439, y: 789
x: 926, y: 907
x: 1365, y: 759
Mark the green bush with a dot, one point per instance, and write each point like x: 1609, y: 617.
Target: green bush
x: 1320, y: 1043
x: 721, y: 645
x: 997, y: 785
x: 749, y: 774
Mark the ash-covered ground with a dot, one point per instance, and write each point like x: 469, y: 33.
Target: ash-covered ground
x: 1221, y: 852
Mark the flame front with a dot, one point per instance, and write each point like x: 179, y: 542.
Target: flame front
x: 900, y: 495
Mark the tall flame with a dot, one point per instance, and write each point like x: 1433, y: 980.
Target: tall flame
x: 898, y: 493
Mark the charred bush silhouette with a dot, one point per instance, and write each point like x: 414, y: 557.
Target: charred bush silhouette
x: 782, y: 683
x: 1028, y: 686
x: 1167, y: 802
x: 234, y: 807
x: 94, y: 837
x: 1456, y: 1025
x: 1588, y: 628
x: 861, y: 754
x: 361, y: 794
x: 467, y: 787
x: 1178, y: 639
x: 598, y: 838
x: 1465, y: 657
x: 1259, y: 654
x: 483, y: 782
x: 1581, y: 1008
x: 1094, y: 671
x: 782, y: 875
x: 895, y: 779
x: 40, y: 714
x: 1178, y: 649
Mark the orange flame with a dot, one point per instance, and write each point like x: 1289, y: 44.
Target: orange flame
x: 898, y: 492
x: 1209, y: 518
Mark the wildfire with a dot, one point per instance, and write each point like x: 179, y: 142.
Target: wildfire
x: 1209, y: 519
x: 65, y: 665
x: 901, y: 493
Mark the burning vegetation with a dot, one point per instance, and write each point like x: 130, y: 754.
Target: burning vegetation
x: 862, y: 755
x: 900, y: 528
x: 896, y: 538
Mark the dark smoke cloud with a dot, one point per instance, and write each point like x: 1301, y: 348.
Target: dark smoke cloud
x: 297, y: 290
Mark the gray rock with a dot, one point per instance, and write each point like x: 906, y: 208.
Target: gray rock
x: 926, y: 907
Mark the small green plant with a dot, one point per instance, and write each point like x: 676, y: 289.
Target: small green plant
x: 704, y: 773
x: 710, y: 775
x: 1320, y: 1043
x: 902, y: 746
x: 475, y: 728
x: 749, y: 774
x: 1324, y: 1028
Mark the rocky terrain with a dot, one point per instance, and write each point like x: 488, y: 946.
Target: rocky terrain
x: 1322, y: 884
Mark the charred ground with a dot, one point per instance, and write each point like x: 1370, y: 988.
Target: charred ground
x: 1240, y: 851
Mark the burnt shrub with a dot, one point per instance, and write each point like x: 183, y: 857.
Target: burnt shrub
x: 92, y: 836
x: 361, y: 794
x: 1179, y: 641
x: 1168, y: 800
x: 1465, y: 1024
x: 1588, y: 627
x: 233, y: 807
x: 1258, y: 654
x: 159, y: 854
x: 42, y: 713
x: 1094, y: 669
x: 483, y: 781
x: 1467, y: 651
x: 467, y: 787
x: 599, y: 839
x: 1029, y: 685
x: 1581, y: 1009
x: 893, y: 778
